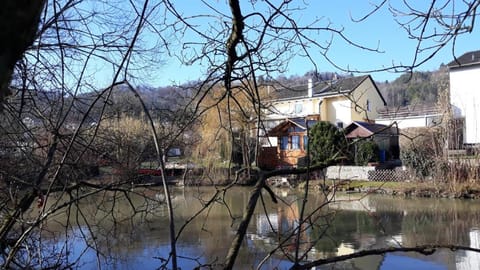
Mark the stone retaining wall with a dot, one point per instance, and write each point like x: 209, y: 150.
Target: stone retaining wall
x: 349, y: 172
x: 365, y: 173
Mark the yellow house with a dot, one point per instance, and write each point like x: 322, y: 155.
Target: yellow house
x: 339, y: 101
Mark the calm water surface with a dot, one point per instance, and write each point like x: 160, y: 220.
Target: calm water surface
x: 347, y: 225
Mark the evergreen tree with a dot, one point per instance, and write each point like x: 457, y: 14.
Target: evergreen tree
x: 327, y: 143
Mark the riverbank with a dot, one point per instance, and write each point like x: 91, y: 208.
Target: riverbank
x: 428, y: 189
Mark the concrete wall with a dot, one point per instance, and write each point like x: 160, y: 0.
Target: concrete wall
x: 349, y: 172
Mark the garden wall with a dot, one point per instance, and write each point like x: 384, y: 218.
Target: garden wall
x: 366, y: 173
x: 349, y: 172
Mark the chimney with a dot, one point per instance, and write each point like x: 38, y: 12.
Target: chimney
x: 335, y: 77
x: 310, y: 88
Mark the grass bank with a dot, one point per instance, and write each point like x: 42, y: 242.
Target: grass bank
x: 407, y: 189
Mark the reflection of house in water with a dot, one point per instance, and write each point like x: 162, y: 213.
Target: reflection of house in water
x: 469, y: 259
x: 353, y: 204
x: 281, y: 223
x: 374, y: 222
x: 267, y: 224
x: 282, y: 226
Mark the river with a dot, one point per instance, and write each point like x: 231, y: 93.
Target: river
x: 108, y: 228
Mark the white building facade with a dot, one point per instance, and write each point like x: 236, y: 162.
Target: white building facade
x: 465, y: 94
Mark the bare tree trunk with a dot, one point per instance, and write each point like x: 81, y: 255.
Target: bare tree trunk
x: 19, y: 20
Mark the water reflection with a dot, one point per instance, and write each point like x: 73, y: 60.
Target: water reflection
x: 378, y: 221
x: 468, y: 259
x: 348, y: 224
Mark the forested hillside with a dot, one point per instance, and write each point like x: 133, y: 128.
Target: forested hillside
x: 420, y: 87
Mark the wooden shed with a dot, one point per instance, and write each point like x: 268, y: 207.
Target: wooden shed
x: 386, y: 137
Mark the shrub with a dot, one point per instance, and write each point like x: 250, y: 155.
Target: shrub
x: 420, y: 159
x: 366, y: 151
x: 421, y: 150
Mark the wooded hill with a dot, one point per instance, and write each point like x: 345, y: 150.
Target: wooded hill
x: 419, y: 87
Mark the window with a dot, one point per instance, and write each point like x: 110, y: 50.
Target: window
x: 284, y: 143
x: 295, y: 142
x: 174, y: 152
x: 298, y: 107
x: 368, y: 105
x: 305, y: 142
x: 340, y: 124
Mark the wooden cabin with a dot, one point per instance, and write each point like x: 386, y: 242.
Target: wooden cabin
x: 292, y: 138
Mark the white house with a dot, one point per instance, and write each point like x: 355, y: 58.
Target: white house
x: 465, y: 94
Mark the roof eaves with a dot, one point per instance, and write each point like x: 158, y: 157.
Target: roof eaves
x: 360, y: 82
x: 378, y: 90
x: 466, y: 65
x: 297, y: 124
x: 363, y: 127
x: 330, y: 89
x: 359, y: 126
x: 465, y: 60
x: 289, y: 98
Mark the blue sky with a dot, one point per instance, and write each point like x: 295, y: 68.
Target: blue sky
x: 380, y: 30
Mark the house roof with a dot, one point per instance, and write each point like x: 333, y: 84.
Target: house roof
x: 408, y: 111
x: 323, y: 89
x: 342, y: 86
x: 366, y: 129
x: 467, y: 59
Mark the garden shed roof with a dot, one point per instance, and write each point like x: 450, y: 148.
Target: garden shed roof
x: 359, y: 129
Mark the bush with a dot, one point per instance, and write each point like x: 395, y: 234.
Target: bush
x: 420, y: 159
x: 421, y: 150
x: 366, y: 151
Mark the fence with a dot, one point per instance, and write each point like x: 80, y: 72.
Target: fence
x: 389, y: 175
